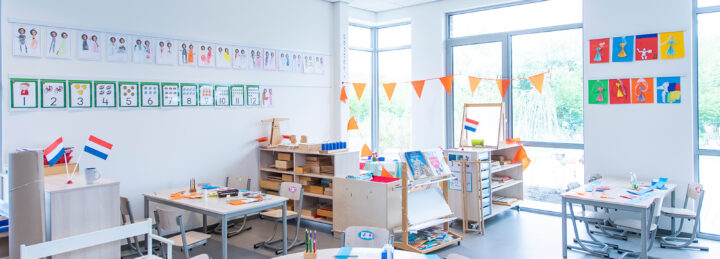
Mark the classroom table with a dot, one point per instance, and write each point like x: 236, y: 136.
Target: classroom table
x: 613, y: 200
x: 361, y: 253
x: 219, y: 208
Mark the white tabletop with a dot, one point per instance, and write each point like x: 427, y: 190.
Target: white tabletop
x: 361, y: 252
x: 58, y: 183
x: 618, y: 187
x: 213, y: 204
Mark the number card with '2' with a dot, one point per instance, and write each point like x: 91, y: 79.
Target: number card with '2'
x: 52, y: 93
x: 80, y: 94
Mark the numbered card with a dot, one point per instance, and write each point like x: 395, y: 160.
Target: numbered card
x: 171, y: 94
x: 222, y: 95
x: 128, y: 94
x: 189, y: 95
x: 206, y: 95
x: 24, y: 93
x: 237, y: 95
x: 105, y: 94
x: 80, y: 94
x: 253, y: 95
x: 52, y: 93
x: 149, y: 95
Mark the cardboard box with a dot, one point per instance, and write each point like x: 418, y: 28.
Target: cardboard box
x: 283, y: 165
x: 316, y: 189
x: 301, y: 170
x: 328, y: 191
x: 311, y: 181
x: 327, y: 168
x: 325, y: 212
x: 314, y: 169
x: 308, y: 212
x: 284, y: 156
x: 311, y: 158
x: 287, y: 178
x: 270, y: 185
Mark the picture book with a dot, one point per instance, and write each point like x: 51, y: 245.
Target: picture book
x: 418, y: 166
x: 436, y: 161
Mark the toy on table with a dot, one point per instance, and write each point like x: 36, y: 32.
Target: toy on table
x: 192, y: 185
x: 275, y: 136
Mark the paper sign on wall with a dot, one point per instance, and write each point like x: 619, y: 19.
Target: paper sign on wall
x: 267, y: 97
x: 27, y: 40
x: 23, y: 93
x: 105, y: 93
x: 150, y: 95
x: 189, y: 95
x: 668, y: 89
x: 237, y: 95
x: 206, y: 95
x: 171, y: 94
x: 598, y: 91
x: 80, y: 94
x: 52, y: 93
x: 253, y: 95
x: 222, y: 95
x: 128, y: 94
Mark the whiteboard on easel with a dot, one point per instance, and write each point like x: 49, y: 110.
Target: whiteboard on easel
x: 482, y: 121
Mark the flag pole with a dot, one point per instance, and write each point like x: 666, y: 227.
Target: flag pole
x: 76, y: 166
x: 67, y: 174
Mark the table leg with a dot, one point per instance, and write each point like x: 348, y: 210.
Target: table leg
x: 146, y: 205
x: 643, y: 233
x: 564, y: 227
x: 284, y: 223
x: 147, y: 208
x: 672, y: 204
x: 224, y: 236
x: 204, y: 223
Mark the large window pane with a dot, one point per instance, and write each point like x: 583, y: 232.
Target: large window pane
x: 395, y: 115
x: 708, y: 81
x: 711, y: 182
x: 556, y: 115
x: 481, y: 60
x: 527, y: 16
x: 359, y: 37
x: 549, y: 174
x: 394, y: 36
x: 360, y: 70
x: 705, y: 3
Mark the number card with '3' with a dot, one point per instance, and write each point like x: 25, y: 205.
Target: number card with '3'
x: 80, y: 94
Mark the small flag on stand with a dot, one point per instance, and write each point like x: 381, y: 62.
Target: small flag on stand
x: 471, y: 125
x: 54, y: 152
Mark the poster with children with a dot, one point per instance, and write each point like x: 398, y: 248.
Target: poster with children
x: 222, y: 95
x: 128, y: 94
x: 142, y: 50
x: 206, y: 95
x: 171, y: 94
x: 319, y: 65
x: 267, y: 97
x: 116, y: 48
x: 189, y: 94
x: 187, y: 54
x: 89, y: 47
x: 52, y: 93
x: 27, y: 41
x: 164, y: 52
x: 256, y: 59
x: 297, y: 63
x: 240, y: 58
x: 270, y: 59
x: 284, y: 61
x: 253, y: 95
x: 80, y: 94
x: 237, y: 95
x: 223, y: 57
x: 105, y: 94
x: 308, y: 65
x: 207, y: 56
x: 150, y: 94
x: 57, y: 42
x: 23, y: 93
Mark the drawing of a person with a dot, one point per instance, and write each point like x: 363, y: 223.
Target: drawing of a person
x: 121, y: 48
x: 267, y: 59
x: 33, y: 40
x: 287, y: 60
x: 184, y: 53
x: 95, y: 44
x: 322, y: 65
x: 642, y: 88
x: 21, y: 39
x: 24, y: 88
x: 169, y: 48
x: 670, y: 41
x: 84, y: 42
x: 272, y: 59
x: 252, y: 57
x: 664, y: 87
x: 63, y: 44
x: 53, y: 37
x: 203, y: 54
x: 243, y: 59
x: 621, y: 93
x: 600, y: 94
x: 227, y: 56
x: 258, y: 59
x: 191, y: 56
x: 236, y: 60
x: 209, y: 55
x: 294, y: 61
x: 113, y: 46
x: 265, y: 97
x: 644, y: 53
x: 598, y: 57
x: 162, y: 48
x: 270, y: 96
x: 147, y: 50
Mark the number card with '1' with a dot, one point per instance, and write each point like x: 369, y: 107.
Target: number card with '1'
x: 23, y: 93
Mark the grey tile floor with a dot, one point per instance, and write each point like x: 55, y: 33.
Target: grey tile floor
x: 512, y: 234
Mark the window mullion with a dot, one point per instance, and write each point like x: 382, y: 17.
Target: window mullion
x: 375, y: 101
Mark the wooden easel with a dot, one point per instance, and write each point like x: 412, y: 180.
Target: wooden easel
x: 464, y: 138
x: 275, y: 137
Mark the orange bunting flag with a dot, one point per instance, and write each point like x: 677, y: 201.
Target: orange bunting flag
x: 521, y: 156
x: 389, y: 89
x: 503, y: 85
x: 447, y: 83
x: 385, y: 173
x: 537, y: 81
x: 366, y: 151
x: 352, y: 124
x: 418, y: 85
x: 343, y: 95
x: 359, y: 88
x: 474, y: 82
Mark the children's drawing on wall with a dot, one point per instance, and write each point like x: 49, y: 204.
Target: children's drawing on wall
x: 186, y: 53
x: 256, y: 57
x: 27, y: 41
x: 622, y: 49
x: 116, y: 48
x: 143, y: 51
x: 57, y: 42
x: 619, y: 91
x: 642, y: 90
x: 668, y: 90
x: 165, y: 52
x: 267, y: 97
x: 224, y: 59
x: 598, y: 91
x: 672, y: 45
x: 270, y: 59
x: 599, y: 51
x: 240, y: 58
x: 319, y: 65
x: 298, y: 63
x: 89, y: 47
x: 283, y: 61
x: 646, y: 46
x: 207, y: 57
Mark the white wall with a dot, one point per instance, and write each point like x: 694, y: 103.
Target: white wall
x: 163, y: 148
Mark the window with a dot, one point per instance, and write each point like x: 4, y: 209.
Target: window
x: 381, y: 55
x: 549, y: 124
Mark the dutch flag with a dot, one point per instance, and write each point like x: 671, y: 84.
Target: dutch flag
x: 54, y: 152
x: 98, y: 147
x: 471, y: 125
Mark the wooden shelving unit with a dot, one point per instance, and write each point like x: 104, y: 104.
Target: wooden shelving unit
x: 344, y: 163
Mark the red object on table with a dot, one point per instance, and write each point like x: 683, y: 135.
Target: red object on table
x: 383, y: 179
x: 263, y: 139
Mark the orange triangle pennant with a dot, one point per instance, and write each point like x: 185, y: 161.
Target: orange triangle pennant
x: 521, y: 156
x: 503, y: 85
x: 343, y: 95
x: 537, y: 81
x: 447, y: 83
x: 352, y: 124
x: 418, y: 85
x: 366, y: 151
x: 474, y: 82
x: 389, y: 89
x: 359, y: 88
x: 385, y: 173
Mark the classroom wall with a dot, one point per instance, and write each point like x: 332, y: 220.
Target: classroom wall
x: 163, y: 148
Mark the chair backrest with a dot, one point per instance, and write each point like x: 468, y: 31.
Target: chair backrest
x: 238, y: 182
x: 657, y: 209
x: 167, y: 221
x: 695, y: 191
x: 124, y: 206
x: 360, y: 236
x: 293, y: 191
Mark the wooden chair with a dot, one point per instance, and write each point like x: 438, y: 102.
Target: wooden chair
x: 696, y: 193
x: 240, y: 183
x: 68, y: 244
x: 360, y: 236
x: 294, y: 192
x: 169, y: 221
x: 127, y: 218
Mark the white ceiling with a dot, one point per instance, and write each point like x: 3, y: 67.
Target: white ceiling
x: 383, y: 5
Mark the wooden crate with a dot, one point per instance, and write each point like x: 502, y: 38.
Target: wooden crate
x: 284, y: 156
x: 283, y: 165
x: 325, y: 212
x: 58, y: 169
x: 271, y: 185
x: 314, y: 189
x: 287, y: 178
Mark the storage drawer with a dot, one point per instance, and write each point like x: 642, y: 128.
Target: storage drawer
x: 486, y: 201
x: 485, y: 183
x: 484, y: 174
x: 486, y: 192
x: 487, y: 210
x: 268, y: 184
x: 483, y: 155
